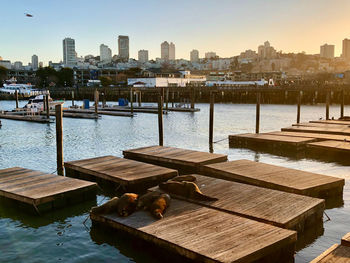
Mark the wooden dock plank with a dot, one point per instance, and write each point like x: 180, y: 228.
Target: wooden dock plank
x: 337, y: 122
x: 36, y: 188
x: 119, y: 170
x: 39, y: 119
x: 278, y: 208
x: 345, y: 241
x: 318, y: 136
x: 331, y: 146
x: 174, y: 157
x: 205, y: 235
x: 339, y: 130
x: 335, y: 254
x: 276, y: 177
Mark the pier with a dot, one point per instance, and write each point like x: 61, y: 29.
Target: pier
x: 111, y: 171
x: 206, y: 235
x: 43, y: 191
x: 30, y: 118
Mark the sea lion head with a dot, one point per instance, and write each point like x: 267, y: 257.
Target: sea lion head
x: 127, y: 204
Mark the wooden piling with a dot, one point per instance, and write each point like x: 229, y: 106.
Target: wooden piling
x: 167, y: 99
x: 257, y: 124
x: 342, y: 103
x: 44, y: 102
x: 298, y: 110
x: 16, y: 95
x: 131, y: 101
x: 47, y: 106
x: 172, y: 99
x: 160, y: 119
x: 192, y: 97
x: 96, y: 101
x: 72, y: 98
x: 59, y: 138
x: 140, y: 98
x: 327, y: 104
x: 211, y: 119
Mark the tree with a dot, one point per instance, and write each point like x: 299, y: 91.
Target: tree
x: 65, y: 77
x: 3, y: 73
x: 45, y: 76
x: 105, y: 81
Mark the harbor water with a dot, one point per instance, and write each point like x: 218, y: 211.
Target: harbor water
x: 62, y: 236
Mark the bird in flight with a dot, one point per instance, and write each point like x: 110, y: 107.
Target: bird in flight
x: 28, y: 15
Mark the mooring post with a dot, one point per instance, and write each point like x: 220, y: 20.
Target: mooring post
x: 160, y: 119
x: 192, y: 97
x: 167, y: 98
x: 47, y: 106
x: 172, y: 99
x: 16, y: 96
x: 327, y: 104
x: 72, y: 98
x: 342, y: 103
x: 257, y: 124
x: 96, y: 101
x: 59, y: 139
x: 211, y: 119
x: 299, y: 102
x: 140, y: 99
x: 132, y: 101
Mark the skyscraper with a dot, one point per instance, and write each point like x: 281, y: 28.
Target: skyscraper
x: 172, y: 51
x: 105, y: 53
x: 164, y: 50
x: 69, y: 55
x: 346, y: 49
x: 123, y: 47
x: 35, y: 62
x: 143, y: 56
x: 327, y: 51
x: 194, y: 56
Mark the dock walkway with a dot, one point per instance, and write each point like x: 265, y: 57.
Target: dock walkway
x: 115, y: 172
x: 181, y: 159
x: 277, y: 178
x: 41, y: 190
x: 35, y: 118
x: 206, y: 235
x: 286, y: 210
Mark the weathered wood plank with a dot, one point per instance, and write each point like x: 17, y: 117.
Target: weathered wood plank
x: 341, y: 130
x: 318, y: 136
x: 345, y: 241
x: 206, y: 235
x: 276, y: 177
x: 331, y: 146
x: 335, y: 254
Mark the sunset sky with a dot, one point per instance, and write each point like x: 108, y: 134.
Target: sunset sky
x: 227, y: 27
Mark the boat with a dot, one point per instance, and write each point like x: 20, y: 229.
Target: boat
x: 10, y: 86
x: 37, y: 102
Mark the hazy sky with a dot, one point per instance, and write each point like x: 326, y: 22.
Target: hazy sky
x: 224, y: 26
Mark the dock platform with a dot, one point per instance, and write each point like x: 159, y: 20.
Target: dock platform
x: 43, y: 191
x: 317, y: 136
x: 111, y: 171
x: 35, y: 118
x: 177, y: 158
x: 285, y: 210
x: 339, y: 130
x: 100, y: 112
x: 206, y: 235
x: 330, y: 147
x: 277, y: 178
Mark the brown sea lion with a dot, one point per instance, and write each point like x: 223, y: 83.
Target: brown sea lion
x: 127, y: 204
x: 182, y: 178
x: 107, y: 207
x: 185, y: 189
x: 159, y: 206
x: 146, y: 200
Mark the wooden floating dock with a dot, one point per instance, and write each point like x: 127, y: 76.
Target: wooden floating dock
x: 339, y: 130
x: 35, y: 118
x: 317, y: 136
x: 112, y: 171
x: 337, y: 122
x: 177, y: 109
x: 74, y: 115
x: 277, y: 178
x: 330, y: 147
x: 286, y: 210
x: 102, y: 112
x: 336, y: 253
x: 128, y: 109
x: 271, y: 141
x: 181, y: 159
x: 206, y: 235
x: 43, y: 191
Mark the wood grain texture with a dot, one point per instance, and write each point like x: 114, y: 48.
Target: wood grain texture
x: 335, y: 254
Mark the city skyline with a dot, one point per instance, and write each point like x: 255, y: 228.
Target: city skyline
x: 238, y: 26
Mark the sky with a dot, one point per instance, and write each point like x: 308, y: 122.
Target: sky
x: 226, y: 27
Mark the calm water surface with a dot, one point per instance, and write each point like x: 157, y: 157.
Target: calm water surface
x: 61, y: 236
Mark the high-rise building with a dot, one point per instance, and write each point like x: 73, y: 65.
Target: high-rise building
x: 123, y: 47
x: 327, y: 51
x: 164, y: 50
x: 143, y: 56
x: 209, y: 55
x: 35, y: 62
x: 171, y: 51
x: 194, y: 56
x: 105, y: 53
x: 266, y: 51
x: 69, y: 54
x: 18, y: 65
x: 346, y: 49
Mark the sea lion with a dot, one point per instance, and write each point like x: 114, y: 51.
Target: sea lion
x: 182, y: 178
x: 124, y: 206
x: 185, y: 189
x: 146, y: 200
x: 159, y: 206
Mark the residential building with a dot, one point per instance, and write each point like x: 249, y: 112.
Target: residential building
x: 35, y: 62
x: 346, y: 49
x: 266, y: 51
x: 210, y: 55
x: 171, y: 51
x: 327, y: 51
x: 69, y: 54
x: 5, y: 64
x: 143, y: 56
x: 18, y: 65
x: 105, y: 53
x: 194, y: 56
x: 164, y: 50
x: 123, y: 47
x: 248, y: 54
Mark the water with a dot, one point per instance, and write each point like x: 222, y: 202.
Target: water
x: 62, y: 236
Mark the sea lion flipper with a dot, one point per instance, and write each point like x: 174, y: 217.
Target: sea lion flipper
x: 203, y: 197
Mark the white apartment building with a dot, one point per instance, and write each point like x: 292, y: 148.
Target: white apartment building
x: 194, y: 56
x: 143, y: 56
x: 210, y: 55
x: 123, y: 47
x: 164, y: 50
x: 171, y: 51
x: 35, y: 62
x: 327, y: 51
x: 69, y: 54
x: 105, y: 53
